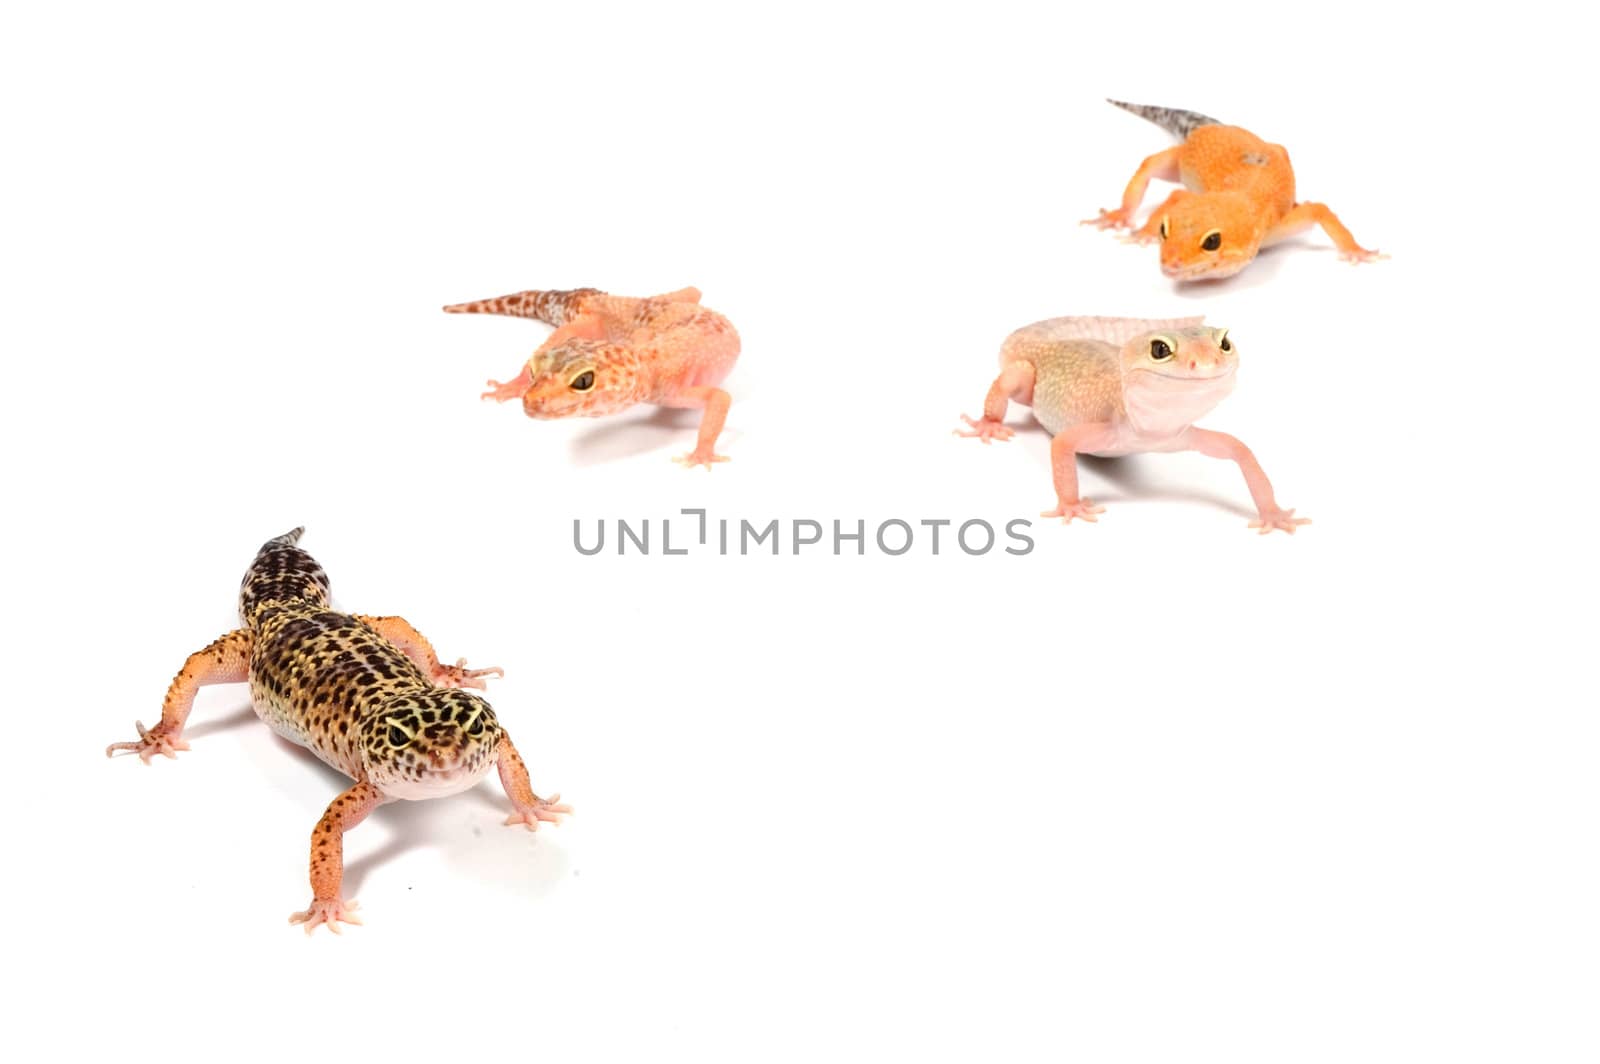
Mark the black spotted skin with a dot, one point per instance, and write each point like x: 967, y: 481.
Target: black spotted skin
x: 331, y: 683
x: 366, y: 694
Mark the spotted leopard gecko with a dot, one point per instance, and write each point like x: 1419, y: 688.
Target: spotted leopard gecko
x: 1116, y: 386
x: 1238, y: 196
x: 610, y: 352
x: 365, y: 694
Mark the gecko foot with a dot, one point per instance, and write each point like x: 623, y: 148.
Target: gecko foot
x: 1084, y: 508
x: 330, y: 911
x: 985, y: 429
x: 700, y: 456
x: 1284, y: 519
x: 501, y: 393
x: 458, y: 675
x: 1141, y: 237
x: 151, y: 742
x: 1360, y: 255
x: 1117, y: 219
x: 549, y: 809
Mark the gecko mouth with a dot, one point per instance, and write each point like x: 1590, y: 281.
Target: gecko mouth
x: 434, y: 783
x: 1190, y: 377
x: 1206, y: 271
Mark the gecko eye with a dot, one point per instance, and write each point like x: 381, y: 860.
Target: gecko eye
x: 1163, y: 229
x: 1225, y: 343
x: 1212, y: 241
x: 398, y: 736
x: 583, y: 381
x: 1160, y: 350
x: 476, y: 727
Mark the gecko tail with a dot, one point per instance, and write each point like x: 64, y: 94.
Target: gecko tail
x: 288, y: 539
x: 281, y: 574
x: 555, y: 307
x: 1179, y: 123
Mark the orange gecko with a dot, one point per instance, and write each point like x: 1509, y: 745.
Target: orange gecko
x: 611, y: 352
x: 1238, y: 197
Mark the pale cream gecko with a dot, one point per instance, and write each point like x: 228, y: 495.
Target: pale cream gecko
x: 1116, y: 386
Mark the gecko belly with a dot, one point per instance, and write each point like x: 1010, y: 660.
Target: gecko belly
x: 289, y: 723
x: 1120, y: 439
x: 1124, y: 439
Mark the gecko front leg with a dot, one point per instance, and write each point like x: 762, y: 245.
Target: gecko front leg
x: 530, y: 808
x: 1270, y: 514
x: 1163, y: 164
x: 1015, y: 384
x: 584, y: 327
x: 225, y: 661
x: 415, y: 646
x: 1305, y: 215
x: 1064, y: 469
x: 1154, y: 228
x: 715, y: 402
x: 327, y: 858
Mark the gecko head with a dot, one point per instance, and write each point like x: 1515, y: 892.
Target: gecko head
x: 581, y: 378
x: 1209, y: 235
x: 428, y: 744
x: 1174, y: 377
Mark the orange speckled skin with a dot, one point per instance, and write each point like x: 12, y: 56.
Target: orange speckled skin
x: 611, y: 352
x: 1238, y: 192
x: 367, y: 695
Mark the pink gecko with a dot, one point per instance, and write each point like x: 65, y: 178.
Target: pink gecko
x: 610, y: 352
x: 1116, y: 386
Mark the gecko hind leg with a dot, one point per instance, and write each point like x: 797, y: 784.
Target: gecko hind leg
x: 415, y: 646
x: 682, y: 295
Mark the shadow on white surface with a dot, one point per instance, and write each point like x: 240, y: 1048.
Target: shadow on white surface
x: 1133, y: 482
x: 240, y: 717
x: 629, y: 436
x: 1269, y: 261
x: 529, y: 863
x: 1261, y: 272
x: 466, y: 828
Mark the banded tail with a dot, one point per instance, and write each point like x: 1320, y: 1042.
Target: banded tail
x: 552, y: 308
x: 281, y: 574
x: 1179, y: 123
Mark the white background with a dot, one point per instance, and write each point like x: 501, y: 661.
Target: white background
x: 1161, y: 790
